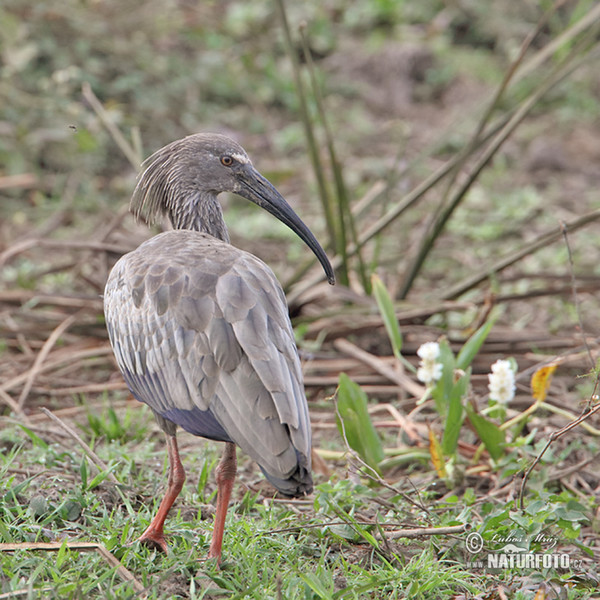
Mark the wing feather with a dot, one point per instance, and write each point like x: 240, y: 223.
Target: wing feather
x: 201, y: 331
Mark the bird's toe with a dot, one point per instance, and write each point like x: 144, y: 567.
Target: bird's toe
x: 154, y: 540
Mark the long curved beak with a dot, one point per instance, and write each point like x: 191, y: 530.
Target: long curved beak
x: 258, y: 189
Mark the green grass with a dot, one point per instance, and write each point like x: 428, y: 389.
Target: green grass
x: 328, y: 547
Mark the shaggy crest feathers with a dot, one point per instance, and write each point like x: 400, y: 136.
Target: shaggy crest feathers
x: 172, y: 174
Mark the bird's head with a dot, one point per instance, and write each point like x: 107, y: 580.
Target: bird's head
x: 178, y: 178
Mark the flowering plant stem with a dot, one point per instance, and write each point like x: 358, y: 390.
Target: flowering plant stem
x: 521, y: 416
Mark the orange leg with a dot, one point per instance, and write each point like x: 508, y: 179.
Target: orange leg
x: 226, y: 471
x: 154, y: 536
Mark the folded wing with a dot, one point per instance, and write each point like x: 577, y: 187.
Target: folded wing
x: 202, y: 335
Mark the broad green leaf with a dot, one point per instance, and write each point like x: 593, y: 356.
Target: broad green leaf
x: 497, y: 519
x: 473, y: 344
x: 62, y: 554
x: 357, y: 425
x: 489, y: 433
x: 13, y: 492
x: 442, y: 391
x: 455, y: 416
x: 36, y: 439
x: 70, y: 510
x: 345, y: 531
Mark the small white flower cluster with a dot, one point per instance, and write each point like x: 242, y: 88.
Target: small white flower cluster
x: 502, y: 382
x: 429, y: 370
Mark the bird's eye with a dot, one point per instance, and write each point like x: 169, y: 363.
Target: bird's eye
x: 226, y: 160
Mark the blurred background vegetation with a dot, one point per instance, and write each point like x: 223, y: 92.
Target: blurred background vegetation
x: 415, y: 95
x: 404, y: 85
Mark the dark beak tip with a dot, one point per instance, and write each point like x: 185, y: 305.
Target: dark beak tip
x: 255, y: 187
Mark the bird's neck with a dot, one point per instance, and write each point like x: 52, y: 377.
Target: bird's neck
x: 201, y: 213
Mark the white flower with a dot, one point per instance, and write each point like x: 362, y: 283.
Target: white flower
x: 429, y: 373
x: 502, y: 382
x: 429, y: 351
x: 429, y: 370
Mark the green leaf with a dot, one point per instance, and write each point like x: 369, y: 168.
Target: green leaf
x: 359, y: 591
x: 455, y: 417
x: 346, y: 532
x: 83, y: 471
x: 5, y: 535
x: 522, y: 520
x: 442, y: 391
x: 36, y: 439
x: 207, y: 467
x: 313, y: 581
x: 356, y: 422
x: 12, y: 493
x: 70, y: 510
x: 535, y: 507
x: 388, y: 314
x: 62, y: 554
x: 489, y: 433
x: 100, y: 477
x: 583, y: 548
x: 473, y: 344
x: 496, y: 520
x: 569, y: 530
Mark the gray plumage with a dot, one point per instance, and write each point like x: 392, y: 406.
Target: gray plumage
x: 199, y: 328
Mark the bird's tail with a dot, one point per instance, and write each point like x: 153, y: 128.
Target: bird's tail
x: 299, y: 483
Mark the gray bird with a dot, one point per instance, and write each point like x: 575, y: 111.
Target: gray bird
x: 200, y: 329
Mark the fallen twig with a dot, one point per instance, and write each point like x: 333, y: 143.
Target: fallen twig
x: 41, y: 357
x: 22, y: 180
x: 27, y: 244
x: 540, y: 242
x: 90, y: 388
x: 420, y: 531
x: 12, y: 404
x: 49, y: 365
x: 404, y: 381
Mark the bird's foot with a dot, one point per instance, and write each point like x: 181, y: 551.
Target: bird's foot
x: 214, y: 555
x: 154, y: 539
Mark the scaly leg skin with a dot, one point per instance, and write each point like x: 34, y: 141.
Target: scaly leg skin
x: 225, y: 471
x: 154, y: 536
